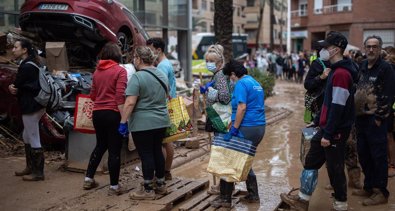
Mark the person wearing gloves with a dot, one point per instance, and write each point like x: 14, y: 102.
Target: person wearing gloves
x: 335, y: 122
x: 248, y: 121
x: 107, y: 94
x: 218, y: 89
x: 146, y: 111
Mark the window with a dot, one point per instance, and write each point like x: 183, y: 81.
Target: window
x: 302, y: 7
x: 318, y: 4
x: 212, y: 8
x: 204, y: 4
x: 388, y: 36
x: 195, y: 4
x: 250, y: 3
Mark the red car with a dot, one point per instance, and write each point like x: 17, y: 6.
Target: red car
x: 86, y: 23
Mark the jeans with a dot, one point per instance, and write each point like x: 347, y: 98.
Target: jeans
x: 106, y: 124
x: 149, y: 147
x: 372, y: 153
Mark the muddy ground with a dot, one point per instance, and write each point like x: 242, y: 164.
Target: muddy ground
x: 277, y: 166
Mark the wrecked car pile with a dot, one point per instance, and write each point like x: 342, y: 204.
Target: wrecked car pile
x: 69, y: 35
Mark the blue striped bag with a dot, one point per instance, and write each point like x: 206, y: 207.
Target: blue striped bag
x: 231, y: 160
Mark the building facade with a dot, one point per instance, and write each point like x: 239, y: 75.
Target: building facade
x: 203, y: 16
x: 312, y: 19
x: 279, y: 24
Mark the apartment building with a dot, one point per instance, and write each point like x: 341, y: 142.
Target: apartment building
x: 279, y: 23
x: 203, y: 16
x: 356, y: 19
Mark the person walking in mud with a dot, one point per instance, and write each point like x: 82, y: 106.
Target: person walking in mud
x: 219, y: 89
x: 107, y: 93
x: 335, y: 122
x: 248, y: 121
x: 26, y: 86
x: 373, y: 104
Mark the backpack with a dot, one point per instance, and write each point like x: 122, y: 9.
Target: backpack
x: 50, y: 94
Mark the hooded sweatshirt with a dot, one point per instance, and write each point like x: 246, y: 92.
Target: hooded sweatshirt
x: 108, y: 86
x: 338, y: 111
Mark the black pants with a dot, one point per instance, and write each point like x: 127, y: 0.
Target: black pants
x: 106, y: 124
x: 372, y: 153
x: 149, y: 146
x: 334, y: 156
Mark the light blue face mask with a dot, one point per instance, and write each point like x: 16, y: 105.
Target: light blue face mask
x: 211, y: 66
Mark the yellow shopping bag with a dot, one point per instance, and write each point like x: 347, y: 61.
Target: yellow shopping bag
x: 231, y: 160
x: 180, y: 123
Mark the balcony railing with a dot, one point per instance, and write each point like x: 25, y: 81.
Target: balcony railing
x: 333, y: 9
x: 298, y: 13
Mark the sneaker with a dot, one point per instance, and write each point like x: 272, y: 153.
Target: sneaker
x: 116, y: 192
x: 295, y: 202
x: 362, y: 192
x: 142, y: 194
x: 340, y: 205
x: 214, y: 190
x: 89, y: 184
x: 375, y: 199
x: 161, y: 188
x: 168, y: 176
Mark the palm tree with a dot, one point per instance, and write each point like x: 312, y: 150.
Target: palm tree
x: 223, y: 25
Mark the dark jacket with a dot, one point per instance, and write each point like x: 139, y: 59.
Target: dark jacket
x: 27, y: 82
x: 338, y: 110
x: 375, y: 90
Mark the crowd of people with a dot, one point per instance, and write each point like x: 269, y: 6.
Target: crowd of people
x: 350, y: 103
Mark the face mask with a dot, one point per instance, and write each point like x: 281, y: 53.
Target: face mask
x: 324, y: 55
x: 211, y: 66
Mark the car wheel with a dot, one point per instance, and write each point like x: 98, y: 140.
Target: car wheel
x: 123, y: 41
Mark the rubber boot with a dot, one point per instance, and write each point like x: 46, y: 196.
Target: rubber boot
x: 37, y: 166
x: 227, y: 194
x: 28, y: 168
x: 252, y: 188
x: 217, y: 202
x: 354, y: 178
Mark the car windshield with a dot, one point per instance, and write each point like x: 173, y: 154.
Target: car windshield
x: 133, y: 18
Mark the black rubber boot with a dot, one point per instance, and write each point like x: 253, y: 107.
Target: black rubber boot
x: 252, y: 188
x: 37, y: 165
x: 227, y: 193
x: 28, y: 168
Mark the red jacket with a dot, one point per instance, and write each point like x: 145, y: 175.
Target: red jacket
x: 108, y: 86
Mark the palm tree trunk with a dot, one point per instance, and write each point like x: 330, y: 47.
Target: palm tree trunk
x: 223, y: 25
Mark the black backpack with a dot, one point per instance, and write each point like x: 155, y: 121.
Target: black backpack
x: 50, y: 95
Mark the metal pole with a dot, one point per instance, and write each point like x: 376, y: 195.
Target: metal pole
x: 289, y: 27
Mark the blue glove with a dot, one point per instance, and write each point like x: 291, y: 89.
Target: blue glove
x: 123, y: 129
x: 233, y: 132
x: 203, y: 89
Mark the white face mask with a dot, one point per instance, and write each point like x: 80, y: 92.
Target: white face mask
x: 324, y: 54
x: 211, y: 66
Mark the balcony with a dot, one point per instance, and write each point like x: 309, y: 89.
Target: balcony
x: 299, y: 18
x: 336, y: 8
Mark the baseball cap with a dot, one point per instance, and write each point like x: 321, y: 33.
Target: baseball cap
x: 334, y: 38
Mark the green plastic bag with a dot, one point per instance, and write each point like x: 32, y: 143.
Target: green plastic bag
x: 220, y: 116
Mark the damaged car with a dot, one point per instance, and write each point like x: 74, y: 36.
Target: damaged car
x: 85, y: 26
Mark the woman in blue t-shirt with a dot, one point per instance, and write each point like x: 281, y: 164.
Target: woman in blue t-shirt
x: 248, y: 121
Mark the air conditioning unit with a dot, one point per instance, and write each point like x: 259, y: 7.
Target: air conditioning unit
x: 318, y: 11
